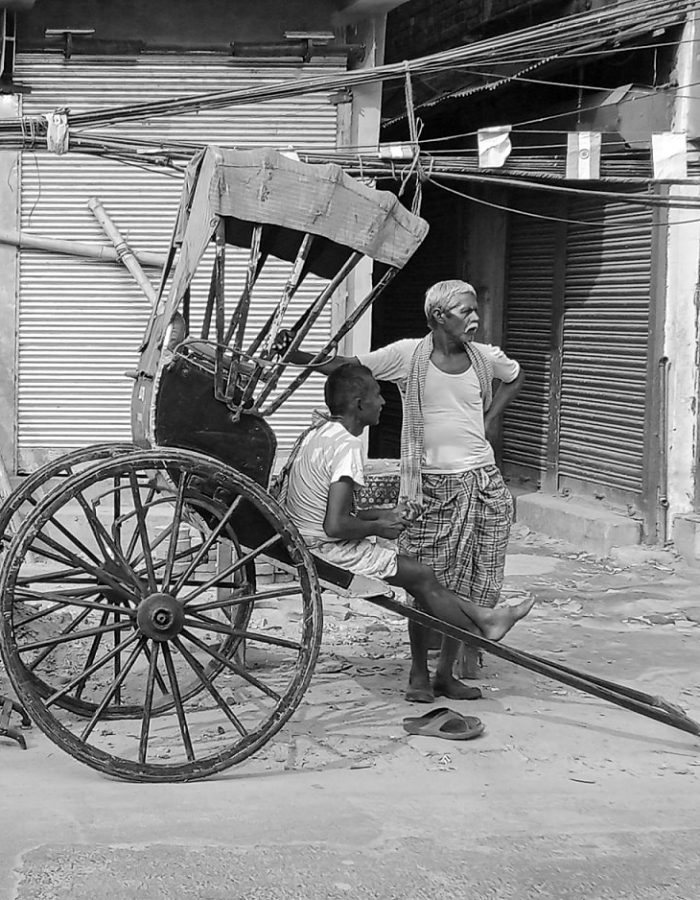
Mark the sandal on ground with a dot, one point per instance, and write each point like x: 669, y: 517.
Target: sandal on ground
x: 444, y: 723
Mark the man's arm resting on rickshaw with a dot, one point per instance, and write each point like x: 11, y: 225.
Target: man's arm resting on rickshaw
x: 302, y: 358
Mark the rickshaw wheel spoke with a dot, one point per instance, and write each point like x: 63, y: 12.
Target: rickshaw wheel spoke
x: 148, y: 701
x: 208, y: 684
x: 142, y: 530
x: 48, y: 648
x: 207, y: 624
x: 88, y: 671
x: 174, y: 534
x: 275, y: 594
x: 160, y: 681
x: 192, y: 656
x: 114, y: 579
x: 177, y: 699
x: 229, y: 664
x: 64, y: 576
x: 113, y: 690
x: 92, y: 653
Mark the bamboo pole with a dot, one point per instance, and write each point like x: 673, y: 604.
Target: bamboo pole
x: 74, y: 248
x: 124, y: 252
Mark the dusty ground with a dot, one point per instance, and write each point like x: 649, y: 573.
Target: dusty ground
x: 563, y: 797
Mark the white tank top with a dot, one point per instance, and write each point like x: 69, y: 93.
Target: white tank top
x: 453, y: 417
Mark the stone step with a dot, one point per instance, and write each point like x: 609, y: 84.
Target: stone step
x: 590, y: 526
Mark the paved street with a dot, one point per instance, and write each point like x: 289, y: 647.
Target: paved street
x: 564, y: 796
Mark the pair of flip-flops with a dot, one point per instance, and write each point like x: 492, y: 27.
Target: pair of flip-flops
x: 444, y: 723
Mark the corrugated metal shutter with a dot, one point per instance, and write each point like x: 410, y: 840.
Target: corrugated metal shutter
x: 605, y: 344
x: 528, y: 326
x: 81, y: 322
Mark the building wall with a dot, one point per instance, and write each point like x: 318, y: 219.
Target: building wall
x: 178, y: 26
x: 9, y: 220
x: 420, y: 27
x: 682, y: 331
x: 168, y: 21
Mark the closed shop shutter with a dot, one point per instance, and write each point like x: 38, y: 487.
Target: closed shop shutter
x: 399, y: 312
x: 81, y: 322
x: 605, y: 345
x: 528, y: 327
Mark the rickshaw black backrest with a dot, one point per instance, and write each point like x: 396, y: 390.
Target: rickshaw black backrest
x: 188, y: 415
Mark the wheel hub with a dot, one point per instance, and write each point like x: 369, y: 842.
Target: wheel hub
x: 160, y: 617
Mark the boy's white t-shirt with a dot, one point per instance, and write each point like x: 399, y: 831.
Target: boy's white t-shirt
x: 453, y: 416
x: 326, y: 455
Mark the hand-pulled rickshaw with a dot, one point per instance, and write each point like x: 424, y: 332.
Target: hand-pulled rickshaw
x: 134, y: 627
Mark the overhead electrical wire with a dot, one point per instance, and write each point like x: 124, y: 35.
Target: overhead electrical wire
x: 566, y: 38
x: 535, y: 173
x: 561, y: 114
x: 549, y: 218
x: 574, y: 44
x: 562, y: 37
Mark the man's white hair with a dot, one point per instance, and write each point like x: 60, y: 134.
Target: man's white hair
x: 443, y: 295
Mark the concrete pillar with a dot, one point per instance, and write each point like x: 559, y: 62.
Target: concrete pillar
x: 682, y: 331
x: 681, y: 349
x: 487, y: 265
x: 9, y: 261
x: 363, y: 132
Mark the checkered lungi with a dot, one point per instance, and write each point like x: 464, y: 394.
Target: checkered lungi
x: 463, y: 532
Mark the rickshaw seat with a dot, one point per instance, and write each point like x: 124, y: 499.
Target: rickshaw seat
x: 334, y: 578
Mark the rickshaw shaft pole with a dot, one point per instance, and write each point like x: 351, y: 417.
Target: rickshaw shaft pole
x: 613, y: 693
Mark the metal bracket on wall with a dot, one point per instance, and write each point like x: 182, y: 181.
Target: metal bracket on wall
x: 68, y: 34
x: 299, y: 45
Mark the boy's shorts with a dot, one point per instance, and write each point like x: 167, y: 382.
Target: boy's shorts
x: 363, y: 557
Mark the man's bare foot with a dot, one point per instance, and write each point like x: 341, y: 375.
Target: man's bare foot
x: 495, y: 623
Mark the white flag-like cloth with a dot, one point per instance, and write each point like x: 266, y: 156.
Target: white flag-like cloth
x: 669, y: 152
x: 494, y: 146
x: 57, y: 134
x: 396, y: 151
x: 583, y: 154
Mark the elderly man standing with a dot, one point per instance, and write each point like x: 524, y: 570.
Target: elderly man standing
x: 447, y: 463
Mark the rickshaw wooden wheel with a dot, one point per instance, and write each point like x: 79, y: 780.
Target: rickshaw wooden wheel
x: 36, y: 486
x: 147, y: 615
x: 23, y: 500
x: 30, y: 492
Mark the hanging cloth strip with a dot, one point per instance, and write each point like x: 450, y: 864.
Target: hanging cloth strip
x: 414, y: 133
x: 412, y: 429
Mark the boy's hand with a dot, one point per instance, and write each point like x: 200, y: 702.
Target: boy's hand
x: 388, y: 528
x: 397, y: 516
x: 409, y: 510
